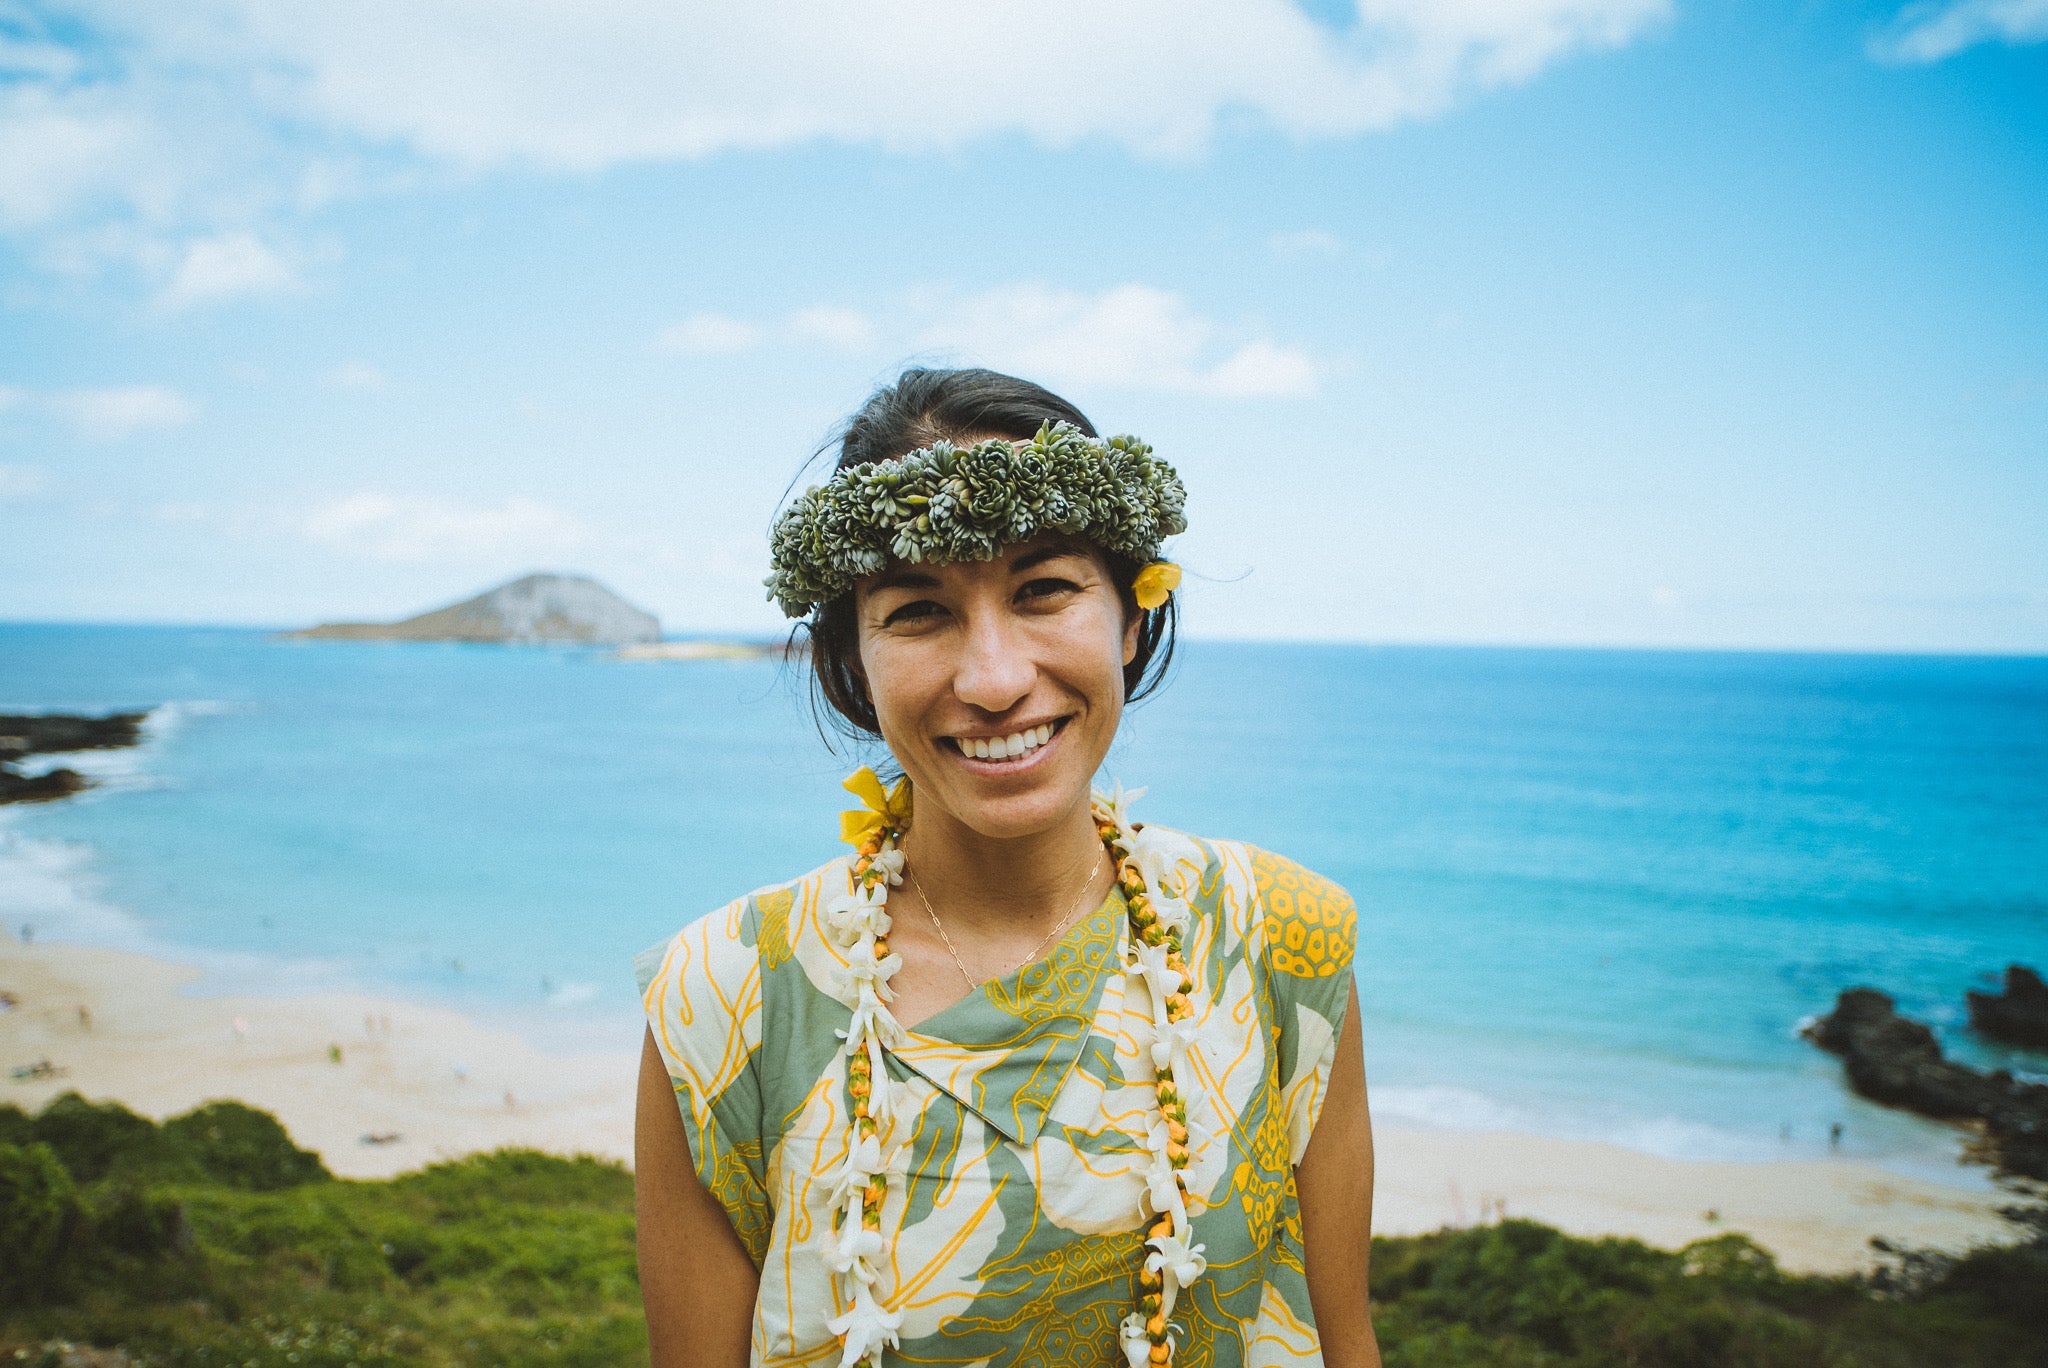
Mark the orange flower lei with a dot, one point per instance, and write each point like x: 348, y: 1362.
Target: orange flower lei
x: 1154, y: 958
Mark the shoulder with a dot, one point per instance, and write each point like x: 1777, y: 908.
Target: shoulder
x: 1307, y: 923
x: 730, y: 944
x: 1300, y: 923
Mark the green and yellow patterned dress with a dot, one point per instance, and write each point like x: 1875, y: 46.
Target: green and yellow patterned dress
x: 1015, y: 1224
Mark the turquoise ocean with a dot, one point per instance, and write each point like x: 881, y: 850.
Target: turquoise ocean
x: 1598, y: 890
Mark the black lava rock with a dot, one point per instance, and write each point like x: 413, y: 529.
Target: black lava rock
x: 2019, y: 1015
x: 55, y: 733
x: 1897, y: 1061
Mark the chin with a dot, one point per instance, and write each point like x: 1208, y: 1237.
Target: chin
x: 1015, y: 815
x: 1011, y: 820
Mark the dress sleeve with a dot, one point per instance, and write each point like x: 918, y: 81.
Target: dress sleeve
x: 1307, y: 928
x: 701, y: 990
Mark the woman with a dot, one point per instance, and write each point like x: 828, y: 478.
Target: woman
x: 1019, y: 1081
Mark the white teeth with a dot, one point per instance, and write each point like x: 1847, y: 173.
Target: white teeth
x: 1005, y: 747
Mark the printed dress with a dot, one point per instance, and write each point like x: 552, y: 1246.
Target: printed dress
x: 1014, y: 1223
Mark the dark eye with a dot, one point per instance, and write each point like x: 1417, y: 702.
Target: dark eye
x: 914, y: 611
x: 1049, y: 587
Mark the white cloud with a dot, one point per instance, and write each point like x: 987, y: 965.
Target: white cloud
x: 712, y: 334
x: 386, y: 528
x: 18, y: 482
x: 217, y: 117
x: 1305, y: 242
x: 709, y: 334
x: 56, y: 154
x: 112, y: 413
x: 1262, y: 370
x: 358, y: 376
x: 1128, y: 337
x: 223, y: 267
x: 186, y: 512
x: 175, y: 147
x: 1930, y: 32
x: 116, y: 150
x: 484, y: 82
x: 845, y: 329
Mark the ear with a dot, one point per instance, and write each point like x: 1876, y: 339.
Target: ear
x: 1132, y: 627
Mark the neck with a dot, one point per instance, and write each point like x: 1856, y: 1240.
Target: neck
x: 986, y: 883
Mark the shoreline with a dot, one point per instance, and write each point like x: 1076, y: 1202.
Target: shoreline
x: 442, y: 1083
x: 430, y: 1083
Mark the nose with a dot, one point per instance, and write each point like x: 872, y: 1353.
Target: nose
x: 996, y: 670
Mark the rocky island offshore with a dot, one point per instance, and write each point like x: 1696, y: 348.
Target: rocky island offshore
x: 533, y: 610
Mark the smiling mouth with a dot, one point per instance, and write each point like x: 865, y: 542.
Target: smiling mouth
x: 1017, y: 745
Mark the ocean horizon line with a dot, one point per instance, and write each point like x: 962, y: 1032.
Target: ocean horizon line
x: 1764, y: 650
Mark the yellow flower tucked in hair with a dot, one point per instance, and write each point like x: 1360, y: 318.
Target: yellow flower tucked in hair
x: 877, y: 810
x: 1155, y: 583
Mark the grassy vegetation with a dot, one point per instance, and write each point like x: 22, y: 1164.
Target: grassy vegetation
x: 211, y: 1239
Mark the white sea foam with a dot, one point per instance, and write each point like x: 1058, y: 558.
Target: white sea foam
x: 1448, y: 1107
x: 167, y: 719
x: 129, y: 768
x: 106, y: 768
x: 1666, y: 1137
x: 48, y: 888
x: 573, y: 995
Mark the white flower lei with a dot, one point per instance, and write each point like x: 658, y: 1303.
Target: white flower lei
x: 877, y: 1153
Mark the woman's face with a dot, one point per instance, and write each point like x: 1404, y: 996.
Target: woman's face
x: 998, y: 684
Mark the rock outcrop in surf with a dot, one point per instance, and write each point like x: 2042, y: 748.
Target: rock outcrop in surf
x: 548, y: 610
x: 26, y: 734
x: 1897, y: 1061
x: 2017, y: 1016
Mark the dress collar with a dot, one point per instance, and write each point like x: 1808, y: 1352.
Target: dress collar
x: 1004, y: 1051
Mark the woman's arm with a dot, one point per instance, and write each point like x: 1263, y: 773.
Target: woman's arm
x: 1334, y: 1183
x: 695, y: 1277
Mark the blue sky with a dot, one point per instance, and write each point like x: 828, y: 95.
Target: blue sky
x: 1658, y: 322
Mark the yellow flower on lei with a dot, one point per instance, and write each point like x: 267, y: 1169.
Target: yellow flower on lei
x: 878, y: 809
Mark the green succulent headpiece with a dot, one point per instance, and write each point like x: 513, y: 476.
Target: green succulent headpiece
x: 944, y: 503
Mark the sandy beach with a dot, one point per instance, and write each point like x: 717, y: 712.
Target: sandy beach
x: 162, y: 1051
x: 396, y: 1100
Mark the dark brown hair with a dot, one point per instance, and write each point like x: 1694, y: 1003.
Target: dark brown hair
x: 923, y: 407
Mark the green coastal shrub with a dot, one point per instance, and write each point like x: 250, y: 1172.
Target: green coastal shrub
x: 212, y: 1240
x: 39, y: 1213
x: 223, y: 1142
x: 1523, y: 1294
x: 92, y: 1138
x: 239, y: 1146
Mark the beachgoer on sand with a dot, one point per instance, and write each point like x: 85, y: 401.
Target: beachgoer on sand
x: 1020, y: 1080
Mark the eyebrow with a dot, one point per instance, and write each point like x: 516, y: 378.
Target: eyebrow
x: 912, y: 577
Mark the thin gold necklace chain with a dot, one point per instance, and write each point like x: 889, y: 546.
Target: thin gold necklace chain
x: 947, y: 941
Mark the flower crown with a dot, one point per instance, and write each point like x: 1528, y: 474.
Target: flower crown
x: 945, y: 503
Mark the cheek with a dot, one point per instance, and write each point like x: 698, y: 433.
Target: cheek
x: 897, y: 681
x: 1093, y: 651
